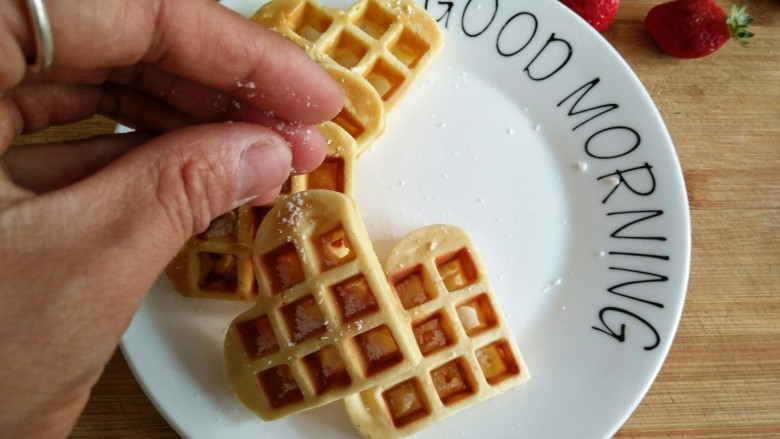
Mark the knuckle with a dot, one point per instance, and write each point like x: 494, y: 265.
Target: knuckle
x: 192, y: 192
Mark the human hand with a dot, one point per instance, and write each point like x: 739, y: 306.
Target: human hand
x: 87, y: 226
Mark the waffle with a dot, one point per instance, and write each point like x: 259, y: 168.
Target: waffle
x: 217, y: 264
x: 363, y: 114
x: 387, y: 42
x: 325, y: 324
x: 468, y: 350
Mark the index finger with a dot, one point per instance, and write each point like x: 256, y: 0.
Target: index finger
x: 198, y: 40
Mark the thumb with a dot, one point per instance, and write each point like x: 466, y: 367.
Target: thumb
x: 177, y: 183
x: 133, y: 215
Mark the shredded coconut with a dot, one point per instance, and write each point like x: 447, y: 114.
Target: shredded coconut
x: 352, y: 304
x: 305, y: 323
x: 430, y: 336
x: 407, y: 403
x: 222, y: 226
x: 469, y: 317
x: 287, y: 386
x: 375, y: 351
x: 265, y: 342
x: 294, y: 213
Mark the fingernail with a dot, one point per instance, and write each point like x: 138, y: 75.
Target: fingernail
x: 264, y: 166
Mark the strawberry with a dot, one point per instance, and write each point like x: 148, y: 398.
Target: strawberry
x: 696, y: 28
x: 598, y: 13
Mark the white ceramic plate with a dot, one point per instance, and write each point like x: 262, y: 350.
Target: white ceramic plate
x: 580, y: 215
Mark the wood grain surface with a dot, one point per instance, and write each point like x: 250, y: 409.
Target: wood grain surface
x: 722, y: 376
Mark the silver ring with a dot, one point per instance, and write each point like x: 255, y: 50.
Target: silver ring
x: 44, y: 42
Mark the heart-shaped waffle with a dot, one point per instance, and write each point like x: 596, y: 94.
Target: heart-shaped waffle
x: 326, y: 324
x: 387, y: 42
x: 468, y: 351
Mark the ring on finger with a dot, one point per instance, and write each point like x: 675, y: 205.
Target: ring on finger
x: 44, y: 42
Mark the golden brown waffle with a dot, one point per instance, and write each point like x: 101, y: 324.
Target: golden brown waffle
x: 363, y: 114
x: 469, y: 353
x: 217, y: 264
x: 336, y: 171
x: 326, y: 324
x: 388, y: 42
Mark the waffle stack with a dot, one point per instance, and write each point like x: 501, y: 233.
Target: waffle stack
x: 325, y: 324
x: 217, y: 264
x: 468, y: 351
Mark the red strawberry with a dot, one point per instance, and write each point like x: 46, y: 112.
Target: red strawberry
x: 599, y: 13
x: 696, y: 28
